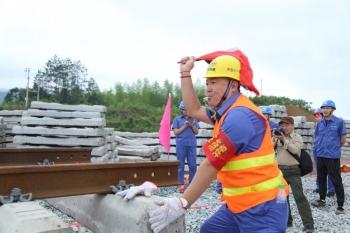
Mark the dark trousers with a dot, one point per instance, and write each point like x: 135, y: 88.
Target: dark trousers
x: 330, y: 167
x: 292, y: 175
x: 184, y: 153
x: 330, y: 186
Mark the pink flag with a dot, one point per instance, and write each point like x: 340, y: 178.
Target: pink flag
x: 164, y: 130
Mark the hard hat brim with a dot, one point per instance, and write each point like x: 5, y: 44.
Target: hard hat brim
x: 221, y: 76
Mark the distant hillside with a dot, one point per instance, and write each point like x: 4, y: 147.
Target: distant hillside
x: 295, y: 111
x: 2, y: 94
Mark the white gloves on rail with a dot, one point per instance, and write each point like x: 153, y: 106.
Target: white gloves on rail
x: 169, y: 210
x: 145, y: 189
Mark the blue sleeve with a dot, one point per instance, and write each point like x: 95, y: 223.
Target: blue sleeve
x: 315, y: 142
x: 273, y: 125
x: 197, y: 124
x: 316, y: 129
x: 245, y: 129
x: 211, y: 115
x: 343, y: 128
x: 175, y: 124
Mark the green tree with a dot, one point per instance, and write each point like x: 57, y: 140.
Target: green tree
x: 65, y: 81
x: 281, y: 100
x: 15, y: 99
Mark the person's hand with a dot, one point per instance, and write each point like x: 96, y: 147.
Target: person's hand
x: 169, y: 210
x: 280, y: 137
x: 187, y: 123
x: 146, y: 189
x: 186, y: 64
x: 274, y: 139
x: 190, y: 121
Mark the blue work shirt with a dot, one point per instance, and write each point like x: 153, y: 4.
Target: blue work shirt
x: 273, y: 125
x: 243, y: 126
x: 186, y: 137
x: 327, y: 138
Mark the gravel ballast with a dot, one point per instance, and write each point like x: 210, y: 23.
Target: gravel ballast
x: 326, y: 221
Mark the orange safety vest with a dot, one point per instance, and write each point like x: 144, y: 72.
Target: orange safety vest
x: 250, y: 179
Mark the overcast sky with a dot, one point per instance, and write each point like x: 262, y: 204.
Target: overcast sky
x: 297, y: 48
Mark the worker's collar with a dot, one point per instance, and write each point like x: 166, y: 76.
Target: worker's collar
x: 330, y: 118
x: 226, y: 105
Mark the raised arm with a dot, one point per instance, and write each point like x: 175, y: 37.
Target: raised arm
x: 189, y: 95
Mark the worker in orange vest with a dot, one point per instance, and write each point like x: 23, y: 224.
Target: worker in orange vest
x: 240, y: 155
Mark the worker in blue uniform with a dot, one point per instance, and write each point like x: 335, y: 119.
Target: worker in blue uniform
x: 185, y: 129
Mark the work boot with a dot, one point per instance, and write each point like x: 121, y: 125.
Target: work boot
x: 340, y: 210
x: 309, y: 228
x: 181, y: 188
x: 330, y: 194
x: 319, y: 203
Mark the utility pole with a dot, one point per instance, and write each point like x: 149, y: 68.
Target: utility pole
x: 27, y: 70
x: 37, y: 94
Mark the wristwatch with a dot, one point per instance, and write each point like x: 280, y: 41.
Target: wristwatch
x: 184, y: 203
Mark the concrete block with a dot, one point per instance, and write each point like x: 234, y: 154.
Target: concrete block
x: 56, y: 106
x: 299, y: 119
x: 204, y: 125
x: 126, y: 158
x: 62, y: 114
x: 12, y: 119
x: 30, y: 217
x: 111, y: 214
x: 143, y: 151
x: 200, y: 141
x: 99, y: 151
x: 109, y: 131
x: 95, y: 122
x: 204, y: 133
x: 147, y: 141
x: 309, y: 125
x: 11, y: 112
x: 136, y: 135
x: 169, y: 157
x: 59, y: 141
x: 38, y: 130
x: 106, y: 158
x: 125, y: 141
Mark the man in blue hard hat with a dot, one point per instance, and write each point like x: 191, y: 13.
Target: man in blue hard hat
x: 318, y: 114
x: 330, y: 135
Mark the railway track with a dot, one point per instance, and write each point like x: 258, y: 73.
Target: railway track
x: 71, y: 174
x: 37, y: 156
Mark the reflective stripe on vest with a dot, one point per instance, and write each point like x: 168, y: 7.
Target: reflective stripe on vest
x: 260, y: 187
x: 250, y: 162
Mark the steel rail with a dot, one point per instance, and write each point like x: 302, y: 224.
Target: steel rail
x: 75, y: 179
x: 34, y: 156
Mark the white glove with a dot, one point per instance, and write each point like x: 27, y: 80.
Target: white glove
x: 169, y: 210
x: 146, y: 189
